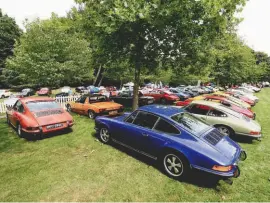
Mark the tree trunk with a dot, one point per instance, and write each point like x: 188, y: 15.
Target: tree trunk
x: 136, y: 85
x: 100, y: 82
x: 98, y: 73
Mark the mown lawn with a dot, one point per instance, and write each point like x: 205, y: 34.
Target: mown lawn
x: 76, y: 167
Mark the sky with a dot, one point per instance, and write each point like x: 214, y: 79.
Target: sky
x: 255, y: 29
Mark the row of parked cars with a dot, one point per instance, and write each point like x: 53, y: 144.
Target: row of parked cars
x: 190, y: 133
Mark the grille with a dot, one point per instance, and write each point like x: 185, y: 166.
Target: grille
x: 48, y: 113
x: 213, y: 137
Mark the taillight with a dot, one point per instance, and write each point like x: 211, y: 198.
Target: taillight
x: 254, y: 133
x: 32, y: 128
x: 222, y: 168
x: 102, y: 110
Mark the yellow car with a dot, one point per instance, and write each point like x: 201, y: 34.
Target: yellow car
x: 233, y: 99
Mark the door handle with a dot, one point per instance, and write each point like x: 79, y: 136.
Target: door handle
x: 145, y: 134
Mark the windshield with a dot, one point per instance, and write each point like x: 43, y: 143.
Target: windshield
x: 190, y: 123
x: 25, y: 90
x: 42, y: 105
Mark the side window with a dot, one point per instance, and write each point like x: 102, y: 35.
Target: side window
x: 145, y: 120
x: 132, y: 117
x: 216, y: 113
x: 164, y: 126
x: 198, y: 109
x: 81, y: 100
x: 19, y: 107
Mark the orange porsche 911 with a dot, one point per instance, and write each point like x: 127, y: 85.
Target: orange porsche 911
x: 95, y: 105
x: 38, y: 116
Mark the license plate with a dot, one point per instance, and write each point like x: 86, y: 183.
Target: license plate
x: 54, y: 126
x: 112, y: 113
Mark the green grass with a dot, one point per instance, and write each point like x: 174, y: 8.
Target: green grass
x: 76, y: 167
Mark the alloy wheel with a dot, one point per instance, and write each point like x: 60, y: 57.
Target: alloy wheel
x: 91, y: 114
x: 225, y: 131
x: 173, y: 165
x: 104, y: 135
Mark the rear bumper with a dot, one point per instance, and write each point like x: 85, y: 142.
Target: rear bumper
x: 248, y: 135
x: 43, y: 130
x: 235, y: 172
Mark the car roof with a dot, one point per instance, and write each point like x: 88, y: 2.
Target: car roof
x: 35, y: 99
x: 215, y: 97
x: 216, y: 105
x: 162, y: 110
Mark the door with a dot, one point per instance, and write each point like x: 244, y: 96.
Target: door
x: 158, y: 136
x: 14, y: 115
x: 136, y: 130
x: 79, y: 105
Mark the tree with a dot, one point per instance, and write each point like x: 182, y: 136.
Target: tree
x: 9, y: 33
x: 153, y: 33
x: 50, y: 54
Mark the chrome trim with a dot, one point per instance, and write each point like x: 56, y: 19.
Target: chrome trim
x: 129, y: 147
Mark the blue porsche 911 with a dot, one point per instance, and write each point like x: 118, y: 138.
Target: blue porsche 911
x: 175, y: 138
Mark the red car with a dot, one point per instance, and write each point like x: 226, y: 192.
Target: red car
x: 163, y: 96
x: 44, y: 91
x: 231, y: 105
x: 243, y: 98
x: 37, y: 116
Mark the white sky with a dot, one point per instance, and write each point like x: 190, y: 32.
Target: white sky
x: 255, y: 29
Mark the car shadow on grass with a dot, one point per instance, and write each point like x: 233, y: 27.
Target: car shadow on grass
x: 244, y: 139
x: 196, y: 177
x: 34, y: 138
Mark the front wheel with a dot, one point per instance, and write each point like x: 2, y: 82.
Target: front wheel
x: 68, y: 108
x: 8, y: 121
x: 175, y: 165
x: 19, y: 130
x: 104, y: 135
x: 163, y: 101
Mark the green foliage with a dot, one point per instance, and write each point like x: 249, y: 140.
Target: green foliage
x: 50, y: 54
x: 9, y: 33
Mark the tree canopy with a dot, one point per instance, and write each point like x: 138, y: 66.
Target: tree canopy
x: 9, y: 33
x: 49, y: 54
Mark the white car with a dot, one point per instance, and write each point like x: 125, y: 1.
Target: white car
x: 66, y: 89
x: 249, y: 96
x: 246, y: 90
x: 255, y: 89
x: 4, y: 94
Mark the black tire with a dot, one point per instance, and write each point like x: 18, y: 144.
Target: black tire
x: 8, y: 121
x: 163, y: 101
x: 91, y: 114
x: 104, y: 135
x: 19, y: 130
x: 68, y: 108
x: 225, y: 130
x: 175, y: 165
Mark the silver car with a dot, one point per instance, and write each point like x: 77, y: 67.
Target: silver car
x: 226, y: 120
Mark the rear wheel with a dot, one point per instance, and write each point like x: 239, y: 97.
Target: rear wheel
x: 175, y: 165
x: 225, y: 130
x: 91, y: 114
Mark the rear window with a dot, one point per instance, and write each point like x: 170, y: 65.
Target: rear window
x: 42, y: 105
x: 190, y: 123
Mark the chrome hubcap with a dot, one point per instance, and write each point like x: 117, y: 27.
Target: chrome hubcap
x: 91, y: 115
x: 19, y: 129
x: 104, y: 135
x: 173, y: 165
x: 224, y: 131
x: 68, y: 108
